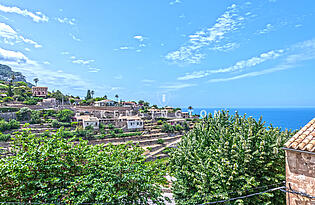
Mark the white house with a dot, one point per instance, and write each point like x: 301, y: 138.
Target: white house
x: 87, y: 120
x: 104, y: 103
x: 131, y: 122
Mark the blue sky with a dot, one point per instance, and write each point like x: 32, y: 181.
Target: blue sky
x: 201, y: 53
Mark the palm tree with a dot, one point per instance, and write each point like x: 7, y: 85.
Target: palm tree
x: 92, y: 93
x: 36, y: 81
x: 105, y: 97
x: 190, y: 108
x: 116, y: 96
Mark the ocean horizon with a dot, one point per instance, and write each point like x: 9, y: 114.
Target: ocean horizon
x: 284, y: 118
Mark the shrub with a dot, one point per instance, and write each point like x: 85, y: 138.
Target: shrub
x: 35, y: 117
x: 223, y: 156
x: 111, y: 126
x: 12, y: 124
x: 4, y: 138
x: 65, y: 115
x: 159, y: 122
x: 57, y: 124
x: 24, y: 114
x: 30, y: 101
x: 58, y: 170
x: 7, y: 99
x: 160, y: 141
x: 74, y: 124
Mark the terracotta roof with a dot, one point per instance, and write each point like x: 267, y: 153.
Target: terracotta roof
x: 304, y: 139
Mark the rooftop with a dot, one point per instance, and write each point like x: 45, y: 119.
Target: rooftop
x: 304, y: 139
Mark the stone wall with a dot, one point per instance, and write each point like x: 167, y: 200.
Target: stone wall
x: 300, y: 176
x: 8, y: 116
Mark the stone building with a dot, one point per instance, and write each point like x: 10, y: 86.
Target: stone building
x: 39, y: 91
x: 300, y: 166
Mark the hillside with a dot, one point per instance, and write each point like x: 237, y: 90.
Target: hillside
x: 6, y: 74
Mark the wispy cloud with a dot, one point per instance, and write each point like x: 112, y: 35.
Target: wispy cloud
x: 298, y: 53
x: 140, y: 38
x: 12, y: 56
x: 36, y: 16
x: 74, y: 37
x: 175, y: 2
x: 118, y: 77
x: 93, y: 70
x: 239, y: 66
x: 82, y: 61
x: 267, y: 29
x: 66, y: 21
x: 177, y: 86
x: 10, y: 36
x: 191, y: 53
x: 140, y: 44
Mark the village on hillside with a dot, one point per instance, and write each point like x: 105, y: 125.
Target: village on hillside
x: 99, y: 120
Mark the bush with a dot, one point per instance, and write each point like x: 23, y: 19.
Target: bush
x: 65, y: 115
x: 12, y: 124
x: 111, y: 126
x: 7, y: 99
x: 225, y: 155
x: 160, y: 141
x: 4, y: 138
x: 24, y: 114
x: 56, y: 124
x: 35, y: 117
x: 159, y: 122
x: 58, y: 170
x: 30, y: 101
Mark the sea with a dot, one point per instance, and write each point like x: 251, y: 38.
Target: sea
x: 284, y: 118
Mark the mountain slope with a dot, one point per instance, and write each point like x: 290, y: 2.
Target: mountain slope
x: 6, y: 75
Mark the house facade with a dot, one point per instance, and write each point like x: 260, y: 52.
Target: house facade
x: 86, y: 120
x: 130, y: 122
x: 104, y: 103
x: 300, y: 166
x: 39, y: 91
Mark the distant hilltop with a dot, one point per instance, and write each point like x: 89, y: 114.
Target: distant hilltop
x: 6, y: 75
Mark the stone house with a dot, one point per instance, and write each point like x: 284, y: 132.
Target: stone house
x: 130, y: 122
x: 300, y: 166
x: 39, y: 91
x: 87, y: 120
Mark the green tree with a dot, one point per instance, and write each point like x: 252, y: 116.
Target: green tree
x: 227, y: 156
x: 58, y: 170
x: 92, y: 93
x: 36, y: 81
x: 88, y: 95
x: 65, y: 115
x: 116, y: 96
x: 24, y: 114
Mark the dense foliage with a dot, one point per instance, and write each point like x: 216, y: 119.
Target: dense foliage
x: 55, y: 169
x: 65, y: 115
x: 12, y: 124
x: 226, y: 156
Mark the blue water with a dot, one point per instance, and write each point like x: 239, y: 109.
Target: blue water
x: 290, y: 118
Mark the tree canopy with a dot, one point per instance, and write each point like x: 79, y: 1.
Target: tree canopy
x: 58, y: 170
x: 227, y: 156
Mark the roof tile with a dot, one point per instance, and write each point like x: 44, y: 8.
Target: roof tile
x: 303, y: 139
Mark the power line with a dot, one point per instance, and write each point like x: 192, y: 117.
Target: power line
x: 291, y: 191
x: 246, y: 196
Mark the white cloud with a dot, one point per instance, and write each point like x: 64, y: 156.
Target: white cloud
x: 66, y: 21
x: 12, y: 56
x: 175, y: 2
x: 46, y: 62
x: 37, y: 16
x: 226, y: 47
x: 11, y: 37
x: 82, y: 62
x: 140, y: 38
x: 267, y: 29
x: 94, y: 70
x: 191, y: 52
x: 298, y: 53
x: 74, y: 37
x: 177, y: 86
x: 239, y: 66
x: 27, y: 49
x: 19, y: 62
